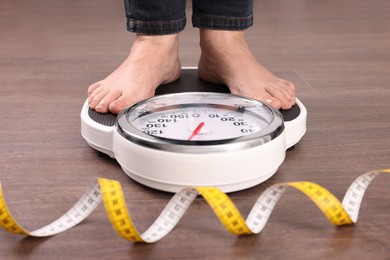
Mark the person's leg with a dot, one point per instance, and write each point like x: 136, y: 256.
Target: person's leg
x: 153, y: 59
x: 226, y: 57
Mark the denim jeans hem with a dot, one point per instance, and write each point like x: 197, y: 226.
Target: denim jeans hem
x: 222, y: 22
x: 156, y: 27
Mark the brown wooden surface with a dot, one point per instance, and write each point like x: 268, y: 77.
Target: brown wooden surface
x: 337, y: 52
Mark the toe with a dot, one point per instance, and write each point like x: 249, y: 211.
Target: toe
x: 96, y: 95
x: 118, y: 105
x: 93, y: 87
x: 286, y: 106
x: 290, y: 85
x: 284, y: 93
x: 282, y: 98
x: 274, y: 102
x: 270, y: 100
x: 290, y: 92
x: 106, y: 101
x: 101, y: 107
x: 96, y: 98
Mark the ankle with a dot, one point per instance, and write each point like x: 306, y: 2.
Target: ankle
x: 220, y: 38
x: 160, y: 41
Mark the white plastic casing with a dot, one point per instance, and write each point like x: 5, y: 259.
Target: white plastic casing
x: 229, y: 171
x: 296, y: 128
x: 170, y: 171
x: 98, y: 136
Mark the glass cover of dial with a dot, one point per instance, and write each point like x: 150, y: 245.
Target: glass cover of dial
x: 200, y: 116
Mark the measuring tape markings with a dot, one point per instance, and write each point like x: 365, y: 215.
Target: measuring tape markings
x: 111, y: 193
x: 80, y: 211
x: 225, y: 210
x: 354, y: 195
x: 326, y: 201
x: 117, y: 211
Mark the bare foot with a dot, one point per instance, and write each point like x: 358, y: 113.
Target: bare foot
x: 153, y: 60
x: 227, y: 59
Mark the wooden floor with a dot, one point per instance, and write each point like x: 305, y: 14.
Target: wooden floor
x: 337, y: 52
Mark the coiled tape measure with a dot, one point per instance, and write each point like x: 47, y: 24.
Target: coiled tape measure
x: 111, y: 193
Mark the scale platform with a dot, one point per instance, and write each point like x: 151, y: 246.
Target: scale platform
x: 142, y: 164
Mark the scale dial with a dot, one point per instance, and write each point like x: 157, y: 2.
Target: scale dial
x: 200, y: 122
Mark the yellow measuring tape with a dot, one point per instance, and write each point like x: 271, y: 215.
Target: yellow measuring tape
x: 111, y: 193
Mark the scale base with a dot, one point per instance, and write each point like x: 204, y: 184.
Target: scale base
x: 99, y: 131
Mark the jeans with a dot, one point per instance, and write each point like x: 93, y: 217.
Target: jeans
x: 160, y: 17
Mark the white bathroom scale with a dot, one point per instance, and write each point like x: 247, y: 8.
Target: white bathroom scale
x: 195, y: 133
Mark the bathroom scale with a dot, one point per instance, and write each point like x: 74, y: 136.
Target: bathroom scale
x: 195, y: 133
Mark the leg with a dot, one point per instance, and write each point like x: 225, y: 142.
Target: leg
x: 226, y: 57
x: 153, y: 59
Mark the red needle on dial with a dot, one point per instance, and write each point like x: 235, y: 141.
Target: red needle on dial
x: 196, y: 131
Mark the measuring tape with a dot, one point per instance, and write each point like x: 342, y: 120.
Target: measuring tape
x: 111, y: 193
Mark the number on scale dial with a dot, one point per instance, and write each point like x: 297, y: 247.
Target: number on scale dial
x: 202, y: 122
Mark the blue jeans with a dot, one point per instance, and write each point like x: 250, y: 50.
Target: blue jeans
x: 160, y: 17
